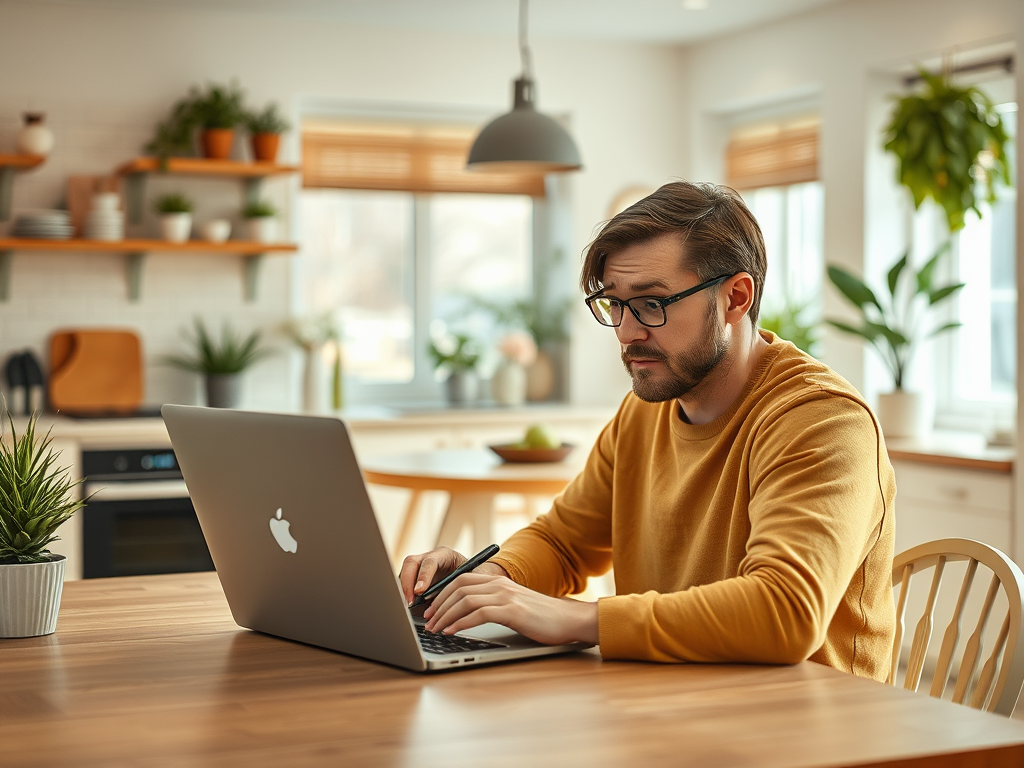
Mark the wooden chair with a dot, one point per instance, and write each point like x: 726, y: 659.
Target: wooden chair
x: 998, y: 685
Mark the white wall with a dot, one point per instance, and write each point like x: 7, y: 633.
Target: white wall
x: 106, y: 76
x: 845, y: 57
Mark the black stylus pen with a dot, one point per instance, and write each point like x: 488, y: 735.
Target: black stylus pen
x: 469, y: 565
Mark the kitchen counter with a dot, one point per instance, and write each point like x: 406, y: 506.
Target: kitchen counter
x: 968, y: 450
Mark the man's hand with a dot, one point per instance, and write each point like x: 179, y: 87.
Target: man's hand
x: 420, y: 571
x: 477, y: 598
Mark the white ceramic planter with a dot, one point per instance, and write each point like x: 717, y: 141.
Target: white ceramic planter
x: 215, y: 230
x: 30, y: 597
x: 904, y: 414
x: 262, y: 229
x: 176, y: 227
x: 35, y: 138
x: 508, y: 385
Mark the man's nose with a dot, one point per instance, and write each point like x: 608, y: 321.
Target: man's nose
x: 630, y: 329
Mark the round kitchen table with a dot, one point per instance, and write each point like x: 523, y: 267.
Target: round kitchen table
x: 472, y: 478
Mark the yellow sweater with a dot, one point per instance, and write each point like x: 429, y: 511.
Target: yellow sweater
x: 764, y: 536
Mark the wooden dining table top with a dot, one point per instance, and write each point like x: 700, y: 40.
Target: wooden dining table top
x: 151, y: 671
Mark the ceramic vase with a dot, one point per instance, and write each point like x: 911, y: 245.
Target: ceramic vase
x: 265, y: 146
x: 35, y: 138
x: 176, y: 227
x: 30, y: 597
x: 223, y: 390
x: 262, y: 229
x: 461, y: 387
x: 313, y: 377
x: 217, y: 143
x: 540, y: 378
x: 904, y: 414
x: 508, y: 385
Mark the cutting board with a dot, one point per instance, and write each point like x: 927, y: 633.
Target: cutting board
x: 95, y: 370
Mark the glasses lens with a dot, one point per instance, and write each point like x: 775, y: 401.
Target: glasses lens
x: 650, y: 310
x: 607, y: 311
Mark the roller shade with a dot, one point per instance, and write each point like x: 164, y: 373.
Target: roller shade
x: 773, y: 155
x: 408, y: 158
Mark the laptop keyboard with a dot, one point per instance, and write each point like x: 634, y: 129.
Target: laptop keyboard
x: 438, y: 643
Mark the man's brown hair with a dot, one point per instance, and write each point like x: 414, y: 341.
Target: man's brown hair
x: 718, y: 233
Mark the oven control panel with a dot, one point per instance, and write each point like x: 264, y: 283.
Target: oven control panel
x: 134, y: 464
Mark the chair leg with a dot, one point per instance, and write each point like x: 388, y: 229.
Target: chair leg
x: 408, y: 521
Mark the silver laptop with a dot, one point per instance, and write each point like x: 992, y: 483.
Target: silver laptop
x: 285, y: 512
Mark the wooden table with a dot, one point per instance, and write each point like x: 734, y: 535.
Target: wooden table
x: 472, y: 478
x: 151, y: 671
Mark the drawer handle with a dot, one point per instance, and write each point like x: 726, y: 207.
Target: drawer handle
x: 960, y: 494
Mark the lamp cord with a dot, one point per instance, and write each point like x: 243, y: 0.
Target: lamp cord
x: 524, y: 48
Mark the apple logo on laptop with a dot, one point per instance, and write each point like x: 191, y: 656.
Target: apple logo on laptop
x: 279, y: 527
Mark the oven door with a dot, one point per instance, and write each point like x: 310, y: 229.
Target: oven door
x: 134, y: 528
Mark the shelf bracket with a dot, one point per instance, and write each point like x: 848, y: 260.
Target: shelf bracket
x: 251, y: 264
x: 251, y: 189
x: 133, y: 271
x: 134, y: 192
x: 6, y: 191
x: 6, y: 258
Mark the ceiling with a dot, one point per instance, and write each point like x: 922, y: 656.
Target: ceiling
x: 660, y: 21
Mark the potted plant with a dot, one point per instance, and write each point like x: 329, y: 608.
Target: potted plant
x: 265, y: 129
x: 221, y: 363
x: 518, y: 352
x: 175, y: 211
x: 947, y: 139
x: 893, y: 327
x: 455, y: 356
x: 35, y: 500
x: 261, y: 225
x: 217, y: 113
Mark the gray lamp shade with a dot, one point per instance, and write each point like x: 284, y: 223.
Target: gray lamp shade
x: 524, y: 140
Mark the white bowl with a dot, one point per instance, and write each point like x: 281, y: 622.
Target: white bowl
x: 216, y: 230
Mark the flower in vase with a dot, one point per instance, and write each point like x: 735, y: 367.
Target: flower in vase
x: 519, y: 347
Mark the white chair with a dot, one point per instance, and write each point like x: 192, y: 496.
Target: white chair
x: 998, y: 685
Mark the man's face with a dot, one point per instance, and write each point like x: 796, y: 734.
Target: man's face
x: 670, y: 361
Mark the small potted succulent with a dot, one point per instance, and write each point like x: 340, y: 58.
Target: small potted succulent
x: 265, y: 129
x: 261, y: 224
x: 175, y: 211
x: 36, y: 498
x: 456, y: 356
x: 221, y: 363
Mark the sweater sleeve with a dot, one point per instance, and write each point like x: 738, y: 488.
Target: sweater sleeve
x: 815, y: 509
x: 556, y: 553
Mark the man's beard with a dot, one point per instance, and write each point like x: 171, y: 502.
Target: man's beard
x: 686, y: 370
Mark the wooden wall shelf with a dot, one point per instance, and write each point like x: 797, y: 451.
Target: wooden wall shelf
x: 9, y: 164
x: 135, y: 252
x: 251, y: 174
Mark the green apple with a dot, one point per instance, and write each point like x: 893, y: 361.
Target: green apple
x: 541, y: 436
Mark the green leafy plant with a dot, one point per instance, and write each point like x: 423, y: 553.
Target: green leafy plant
x: 947, y: 139
x: 233, y: 353
x: 454, y: 352
x: 259, y: 209
x: 791, y: 322
x: 173, y: 202
x: 217, y: 106
x: 894, y: 326
x: 35, y: 496
x: 267, y: 121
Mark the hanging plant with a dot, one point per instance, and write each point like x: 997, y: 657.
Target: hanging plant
x: 950, y: 142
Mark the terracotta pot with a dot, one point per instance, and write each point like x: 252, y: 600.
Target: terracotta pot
x: 217, y: 143
x: 264, y: 146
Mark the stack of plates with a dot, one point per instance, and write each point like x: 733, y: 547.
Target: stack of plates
x: 104, y: 225
x: 44, y: 225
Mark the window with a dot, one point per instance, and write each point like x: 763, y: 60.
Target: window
x: 396, y: 239
x: 977, y: 363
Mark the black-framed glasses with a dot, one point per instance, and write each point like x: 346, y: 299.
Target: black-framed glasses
x: 648, y: 310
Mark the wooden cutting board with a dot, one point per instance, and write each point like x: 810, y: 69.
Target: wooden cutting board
x: 95, y: 370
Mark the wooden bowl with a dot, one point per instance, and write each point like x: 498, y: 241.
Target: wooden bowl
x: 515, y: 455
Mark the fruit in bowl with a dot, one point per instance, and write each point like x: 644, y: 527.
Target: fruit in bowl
x: 538, y: 444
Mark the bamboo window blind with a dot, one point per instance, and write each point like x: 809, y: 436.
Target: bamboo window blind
x: 773, y: 155
x: 403, y: 157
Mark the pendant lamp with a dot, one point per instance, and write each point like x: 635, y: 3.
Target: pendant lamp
x: 524, y: 139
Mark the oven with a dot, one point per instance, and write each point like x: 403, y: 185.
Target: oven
x: 138, y: 518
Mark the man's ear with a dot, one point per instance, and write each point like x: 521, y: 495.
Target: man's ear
x: 739, y: 296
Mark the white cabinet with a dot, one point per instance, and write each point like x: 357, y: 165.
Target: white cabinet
x: 936, y: 502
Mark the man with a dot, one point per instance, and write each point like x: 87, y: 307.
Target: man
x: 742, y: 492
